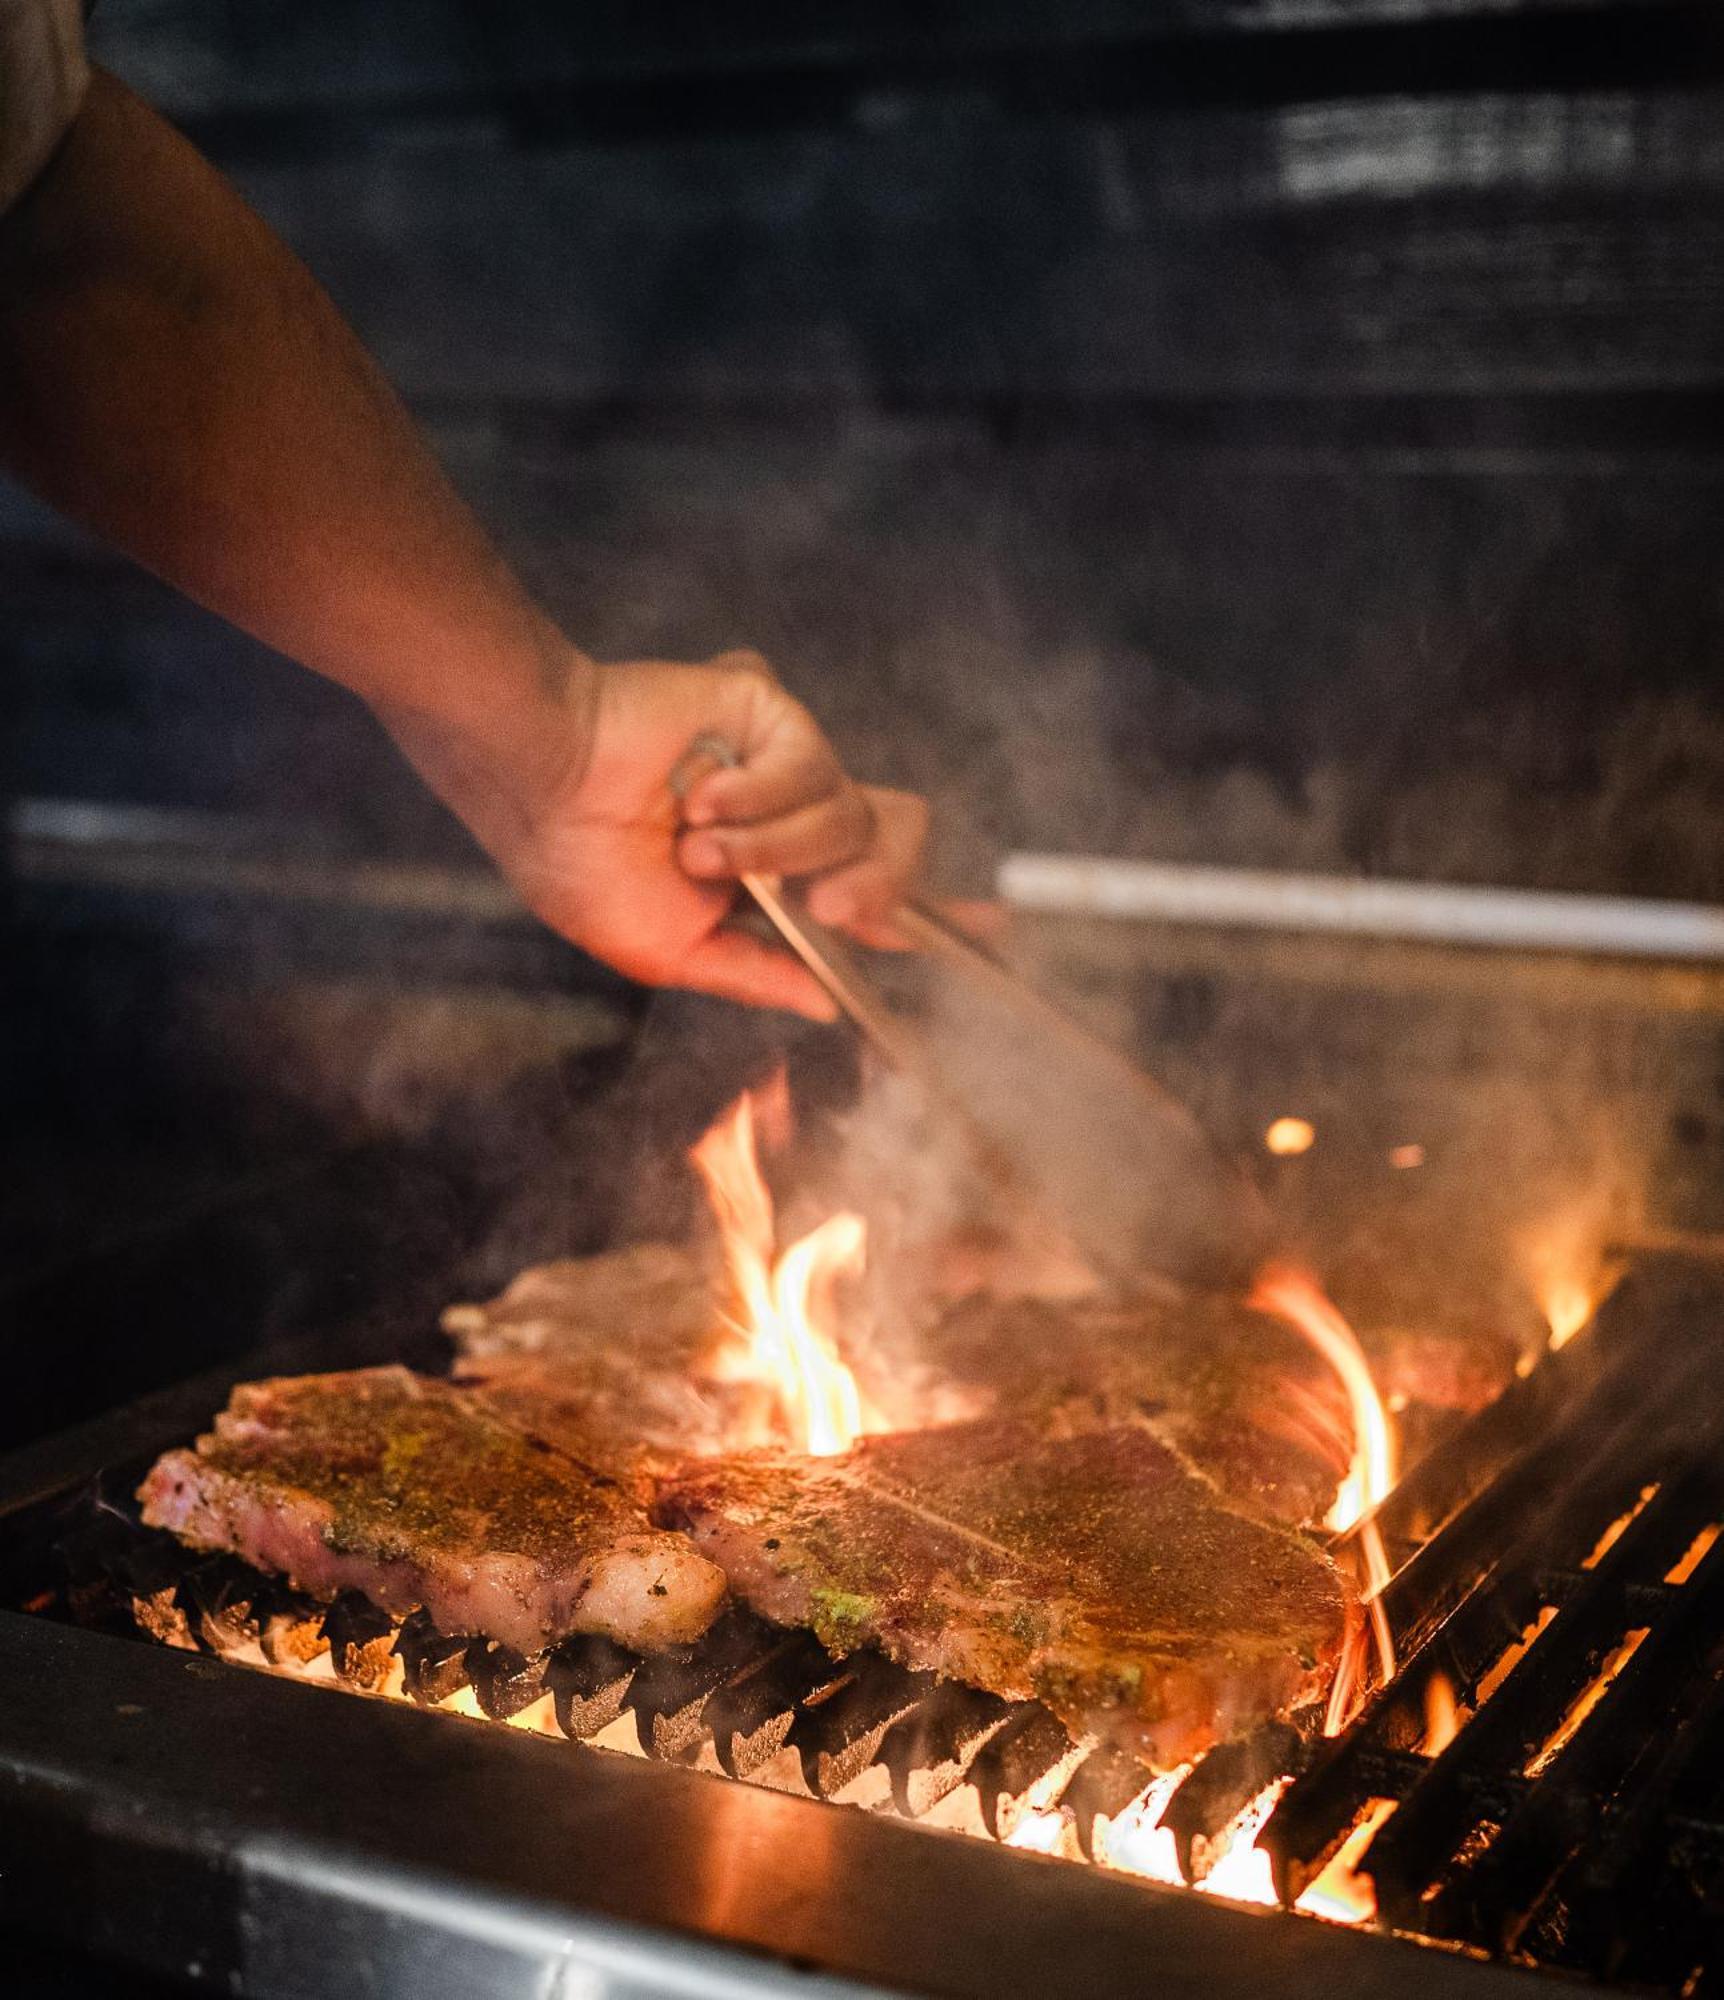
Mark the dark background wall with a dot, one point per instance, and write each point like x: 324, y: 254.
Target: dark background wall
x: 1272, y: 431
x: 1088, y: 407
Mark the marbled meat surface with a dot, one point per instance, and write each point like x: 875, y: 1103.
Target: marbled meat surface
x: 1095, y: 1571
x: 404, y: 1488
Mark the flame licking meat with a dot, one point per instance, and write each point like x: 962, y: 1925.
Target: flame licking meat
x: 783, y: 1305
x: 1291, y: 1295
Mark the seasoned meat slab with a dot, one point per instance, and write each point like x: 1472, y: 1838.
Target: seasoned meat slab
x: 1242, y: 1397
x: 658, y: 1300
x: 1095, y: 1571
x: 382, y: 1481
x: 603, y: 1357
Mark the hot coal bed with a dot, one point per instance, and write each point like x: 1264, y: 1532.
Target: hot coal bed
x: 1557, y: 1592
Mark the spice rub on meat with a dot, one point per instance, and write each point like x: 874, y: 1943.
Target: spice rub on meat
x: 1241, y: 1396
x: 386, y: 1482
x: 608, y: 1357
x: 602, y: 1357
x: 1094, y: 1571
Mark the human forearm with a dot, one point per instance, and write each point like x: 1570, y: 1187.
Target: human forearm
x: 176, y: 380
x: 171, y: 376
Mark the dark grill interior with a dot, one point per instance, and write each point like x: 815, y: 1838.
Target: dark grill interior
x: 1562, y: 1539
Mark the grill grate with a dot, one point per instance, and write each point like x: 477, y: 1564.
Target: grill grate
x: 1558, y: 1570
x: 1571, y: 1598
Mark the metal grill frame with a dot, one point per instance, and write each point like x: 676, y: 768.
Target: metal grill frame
x: 281, y: 1840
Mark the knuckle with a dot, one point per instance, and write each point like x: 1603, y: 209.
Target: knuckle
x: 744, y: 660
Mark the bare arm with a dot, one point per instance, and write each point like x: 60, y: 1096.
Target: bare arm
x: 172, y: 377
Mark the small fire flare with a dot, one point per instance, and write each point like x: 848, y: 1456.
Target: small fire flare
x: 784, y: 1311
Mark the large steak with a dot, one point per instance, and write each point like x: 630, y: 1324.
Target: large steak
x: 1094, y: 1570
x: 382, y: 1481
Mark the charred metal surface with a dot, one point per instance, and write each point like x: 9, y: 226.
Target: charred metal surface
x: 928, y: 1751
x: 670, y: 1691
x: 433, y: 1665
x: 750, y: 1717
x: 464, y: 1862
x: 838, y: 1732
x: 505, y: 1681
x: 224, y: 1600
x: 1574, y: 1604
x: 361, y: 1640
x: 589, y: 1677
x: 1101, y: 1787
x: 1024, y: 1754
x: 292, y: 1633
x: 1224, y: 1782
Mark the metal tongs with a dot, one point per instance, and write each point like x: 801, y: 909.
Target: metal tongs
x: 1120, y: 1163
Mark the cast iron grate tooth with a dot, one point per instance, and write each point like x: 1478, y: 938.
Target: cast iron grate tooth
x: 1101, y: 1787
x: 292, y: 1629
x: 361, y: 1640
x: 839, y: 1729
x: 589, y: 1677
x: 222, y: 1600
x: 928, y: 1751
x: 1224, y: 1782
x: 670, y: 1691
x: 434, y: 1664
x: 750, y: 1718
x: 505, y: 1681
x: 1028, y: 1758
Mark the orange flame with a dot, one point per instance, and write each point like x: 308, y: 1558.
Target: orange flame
x: 1443, y: 1717
x: 1234, y: 1866
x: 1238, y: 1868
x: 1340, y: 1893
x: 1565, y: 1263
x: 1291, y: 1295
x: 1041, y: 1830
x: 784, y: 1306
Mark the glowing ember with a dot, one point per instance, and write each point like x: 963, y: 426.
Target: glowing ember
x: 1586, y: 1701
x: 1403, y: 1157
x: 1240, y: 1869
x: 1512, y: 1655
x: 1340, y: 1894
x: 1290, y: 1295
x: 1287, y: 1136
x: 784, y: 1306
x: 1697, y: 1551
x: 1135, y: 1840
x: 1619, y: 1527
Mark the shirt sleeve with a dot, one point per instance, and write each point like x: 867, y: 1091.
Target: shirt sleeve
x: 43, y: 76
